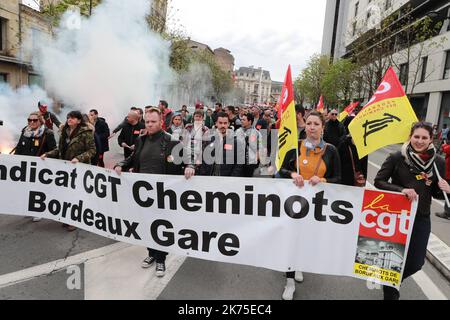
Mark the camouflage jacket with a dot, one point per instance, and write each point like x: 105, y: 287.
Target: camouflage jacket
x: 81, y: 146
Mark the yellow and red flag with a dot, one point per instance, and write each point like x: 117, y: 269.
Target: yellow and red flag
x: 287, y: 133
x: 386, y: 119
x: 347, y: 111
x: 321, y: 106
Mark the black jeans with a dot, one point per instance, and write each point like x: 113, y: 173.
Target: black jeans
x: 159, y: 256
x: 416, y: 254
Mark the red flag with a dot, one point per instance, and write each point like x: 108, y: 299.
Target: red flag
x: 287, y: 94
x: 287, y: 135
x: 321, y: 106
x: 351, y: 107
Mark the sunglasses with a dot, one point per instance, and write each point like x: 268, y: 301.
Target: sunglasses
x: 334, y: 114
x: 33, y: 120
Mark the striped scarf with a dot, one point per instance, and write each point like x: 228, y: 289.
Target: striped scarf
x: 421, y: 163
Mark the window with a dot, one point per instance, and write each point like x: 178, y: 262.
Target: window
x: 2, y: 34
x: 388, y: 4
x: 36, y: 38
x: 356, y: 9
x: 34, y: 79
x: 447, y: 66
x: 3, y: 78
x: 354, y: 29
x: 404, y: 71
x: 423, y: 76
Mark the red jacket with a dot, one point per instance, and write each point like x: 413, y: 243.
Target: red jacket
x: 446, y: 150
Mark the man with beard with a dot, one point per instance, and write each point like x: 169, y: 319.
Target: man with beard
x: 221, y: 154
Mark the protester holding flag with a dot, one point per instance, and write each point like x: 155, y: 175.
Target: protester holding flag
x: 316, y: 161
x: 413, y: 173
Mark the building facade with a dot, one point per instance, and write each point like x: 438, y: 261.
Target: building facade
x: 424, y: 70
x: 222, y: 56
x: 19, y: 25
x: 22, y: 26
x: 256, y: 83
x: 275, y: 91
x: 225, y: 59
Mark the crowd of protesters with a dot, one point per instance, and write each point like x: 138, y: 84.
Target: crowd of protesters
x: 247, y: 135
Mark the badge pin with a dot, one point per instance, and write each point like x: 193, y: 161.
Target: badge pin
x: 305, y: 162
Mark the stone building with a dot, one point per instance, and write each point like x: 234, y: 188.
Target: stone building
x: 256, y: 83
x: 19, y: 25
x: 275, y: 93
x: 225, y: 59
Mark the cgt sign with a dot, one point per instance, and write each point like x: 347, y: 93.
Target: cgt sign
x: 385, y: 216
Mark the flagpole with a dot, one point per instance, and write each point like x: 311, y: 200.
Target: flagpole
x: 440, y: 178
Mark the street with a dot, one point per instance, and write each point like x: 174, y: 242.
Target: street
x: 43, y: 261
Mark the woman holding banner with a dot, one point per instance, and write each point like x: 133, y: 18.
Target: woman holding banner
x: 413, y: 173
x: 318, y: 162
x: 35, y: 140
x: 76, y: 144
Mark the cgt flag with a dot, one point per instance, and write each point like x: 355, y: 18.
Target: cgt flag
x: 287, y: 133
x: 347, y: 111
x: 321, y: 106
x: 386, y: 119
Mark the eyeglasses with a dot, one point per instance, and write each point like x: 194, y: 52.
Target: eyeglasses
x: 33, y: 120
x: 334, y: 114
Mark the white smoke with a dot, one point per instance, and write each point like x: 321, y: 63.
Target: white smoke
x: 193, y: 85
x: 110, y: 61
x: 15, y: 106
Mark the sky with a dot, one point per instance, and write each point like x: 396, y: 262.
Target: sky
x: 262, y: 33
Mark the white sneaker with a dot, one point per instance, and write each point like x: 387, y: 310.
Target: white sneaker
x: 289, y: 290
x: 298, y: 276
x: 36, y: 219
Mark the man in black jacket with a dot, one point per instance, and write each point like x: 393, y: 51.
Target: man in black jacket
x: 221, y: 156
x: 130, y: 133
x: 102, y: 131
x: 334, y: 131
x: 153, y: 155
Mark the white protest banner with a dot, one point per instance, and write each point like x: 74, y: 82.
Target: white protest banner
x: 270, y: 223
